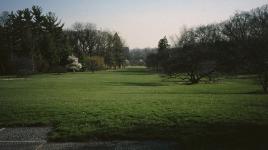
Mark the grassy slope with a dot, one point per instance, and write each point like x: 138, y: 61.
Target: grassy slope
x: 134, y: 104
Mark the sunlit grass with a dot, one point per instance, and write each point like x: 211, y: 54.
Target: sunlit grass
x: 132, y: 104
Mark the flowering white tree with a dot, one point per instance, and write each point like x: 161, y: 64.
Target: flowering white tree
x: 74, y: 64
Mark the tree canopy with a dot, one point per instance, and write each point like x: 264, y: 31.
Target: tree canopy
x: 235, y: 46
x: 32, y: 41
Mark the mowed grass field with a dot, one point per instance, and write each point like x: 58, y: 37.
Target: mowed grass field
x: 135, y: 104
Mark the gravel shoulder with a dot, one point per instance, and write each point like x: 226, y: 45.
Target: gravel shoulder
x: 34, y: 138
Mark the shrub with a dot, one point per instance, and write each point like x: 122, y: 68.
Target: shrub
x: 58, y: 69
x: 93, y: 63
x: 23, y: 73
x: 24, y: 66
x: 73, y: 65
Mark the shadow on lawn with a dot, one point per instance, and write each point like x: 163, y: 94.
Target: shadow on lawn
x: 234, y: 93
x: 148, y: 84
x: 204, y: 136
x: 196, y: 136
x: 135, y: 71
x: 199, y: 93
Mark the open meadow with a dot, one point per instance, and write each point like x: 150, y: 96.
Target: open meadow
x: 136, y: 104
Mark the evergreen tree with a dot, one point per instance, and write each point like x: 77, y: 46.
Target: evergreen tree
x: 118, y: 53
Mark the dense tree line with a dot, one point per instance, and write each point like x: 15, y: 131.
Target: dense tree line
x: 235, y: 46
x: 31, y: 41
x: 87, y: 41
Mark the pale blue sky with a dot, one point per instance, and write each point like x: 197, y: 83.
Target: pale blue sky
x: 140, y: 22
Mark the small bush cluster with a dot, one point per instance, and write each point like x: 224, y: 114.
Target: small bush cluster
x: 93, y: 63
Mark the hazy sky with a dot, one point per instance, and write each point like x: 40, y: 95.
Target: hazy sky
x: 140, y: 22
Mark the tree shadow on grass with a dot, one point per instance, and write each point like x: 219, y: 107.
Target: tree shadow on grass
x: 134, y: 71
x: 234, y: 93
x: 135, y: 74
x: 142, y: 84
x: 203, y: 135
x: 256, y: 93
x: 148, y: 84
x: 199, y: 93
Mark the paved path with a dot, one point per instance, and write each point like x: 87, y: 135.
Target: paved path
x: 35, y: 139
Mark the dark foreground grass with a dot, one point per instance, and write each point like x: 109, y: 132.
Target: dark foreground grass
x: 136, y: 104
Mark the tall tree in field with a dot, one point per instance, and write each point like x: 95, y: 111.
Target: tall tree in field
x: 247, y: 32
x: 118, y: 53
x: 108, y: 54
x: 162, y: 54
x: 84, y: 38
x: 163, y: 44
x: 55, y: 45
x: 4, y: 54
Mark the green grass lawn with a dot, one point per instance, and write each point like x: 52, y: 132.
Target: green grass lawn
x: 136, y: 104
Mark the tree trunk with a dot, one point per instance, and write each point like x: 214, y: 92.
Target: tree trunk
x: 3, y: 69
x: 265, y: 88
x: 194, y: 78
x: 33, y: 65
x: 264, y: 82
